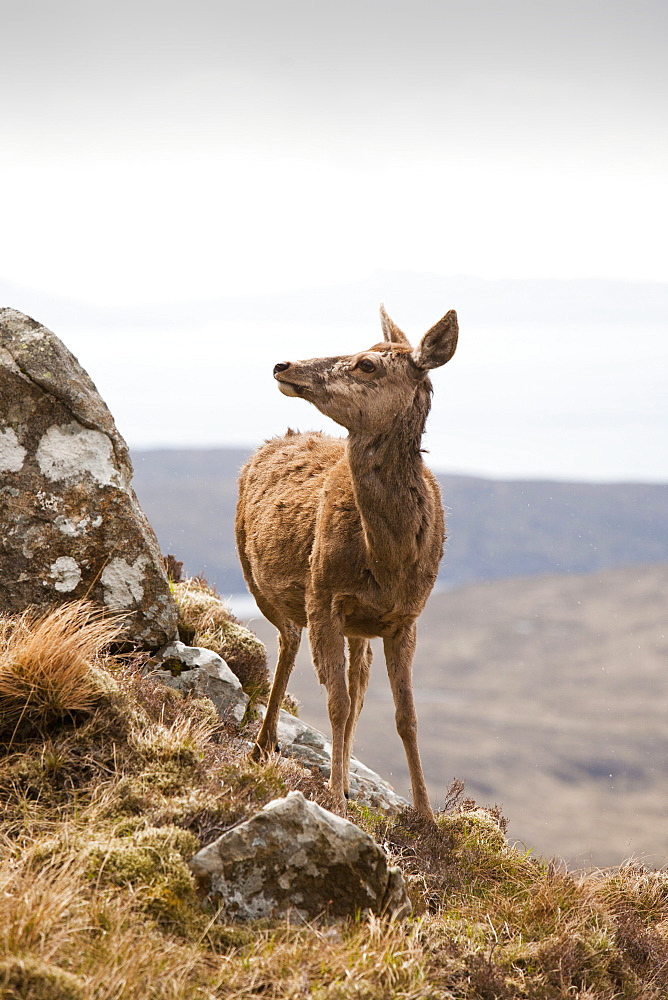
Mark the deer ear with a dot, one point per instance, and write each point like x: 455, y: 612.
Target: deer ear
x: 391, y: 331
x: 438, y: 344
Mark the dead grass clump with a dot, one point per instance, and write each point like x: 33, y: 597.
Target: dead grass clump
x: 231, y: 788
x: 41, y: 905
x: 31, y: 978
x: 204, y: 620
x: 182, y: 743
x: 46, y: 673
x: 635, y: 890
x: 371, y: 959
x: 312, y: 783
x: 234, y: 789
x: 545, y: 934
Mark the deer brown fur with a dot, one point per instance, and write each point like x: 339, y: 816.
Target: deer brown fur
x: 344, y: 537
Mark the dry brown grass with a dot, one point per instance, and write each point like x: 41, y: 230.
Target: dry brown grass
x: 46, y: 662
x: 99, y: 815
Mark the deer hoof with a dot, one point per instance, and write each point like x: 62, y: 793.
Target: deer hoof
x: 340, y: 806
x: 257, y: 754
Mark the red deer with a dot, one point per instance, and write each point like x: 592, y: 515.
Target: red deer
x: 344, y: 536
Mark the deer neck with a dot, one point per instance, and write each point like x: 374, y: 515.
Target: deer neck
x: 392, y: 496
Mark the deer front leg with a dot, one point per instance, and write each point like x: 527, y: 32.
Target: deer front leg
x: 289, y: 637
x: 399, y: 658
x: 327, y: 648
x: 359, y: 668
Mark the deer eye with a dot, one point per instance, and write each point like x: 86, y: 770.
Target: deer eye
x: 366, y: 365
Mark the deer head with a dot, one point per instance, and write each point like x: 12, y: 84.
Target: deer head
x: 368, y: 391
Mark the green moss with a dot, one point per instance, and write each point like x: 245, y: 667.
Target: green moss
x: 171, y: 837
x: 205, y: 812
x: 153, y: 862
x: 129, y: 826
x: 174, y: 666
x: 476, y: 829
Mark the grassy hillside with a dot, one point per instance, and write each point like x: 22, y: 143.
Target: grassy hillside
x: 548, y: 695
x: 495, y: 529
x: 109, y: 785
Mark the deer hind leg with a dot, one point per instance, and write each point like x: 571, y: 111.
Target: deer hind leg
x: 289, y: 637
x: 399, y: 658
x: 327, y: 649
x: 359, y: 668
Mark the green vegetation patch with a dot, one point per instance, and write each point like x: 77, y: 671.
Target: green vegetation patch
x: 152, y: 863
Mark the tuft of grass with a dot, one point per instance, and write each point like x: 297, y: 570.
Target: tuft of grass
x: 205, y: 620
x: 370, y: 958
x: 633, y: 890
x: 31, y: 978
x: 46, y: 672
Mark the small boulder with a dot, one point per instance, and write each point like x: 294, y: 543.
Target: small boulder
x: 72, y: 525
x: 296, y: 858
x: 203, y: 674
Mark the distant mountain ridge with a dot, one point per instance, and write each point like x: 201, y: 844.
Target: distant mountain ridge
x: 496, y: 529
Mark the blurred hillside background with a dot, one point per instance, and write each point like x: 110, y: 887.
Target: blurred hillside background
x: 541, y: 669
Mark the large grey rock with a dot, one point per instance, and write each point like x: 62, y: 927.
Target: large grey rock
x: 294, y: 857
x: 312, y: 748
x: 202, y: 673
x: 71, y: 523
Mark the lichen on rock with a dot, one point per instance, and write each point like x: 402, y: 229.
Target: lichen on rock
x: 294, y: 857
x: 201, y: 673
x: 73, y: 527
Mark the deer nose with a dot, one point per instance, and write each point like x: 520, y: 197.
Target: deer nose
x: 281, y: 367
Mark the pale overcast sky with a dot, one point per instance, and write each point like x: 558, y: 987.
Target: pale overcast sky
x: 164, y: 155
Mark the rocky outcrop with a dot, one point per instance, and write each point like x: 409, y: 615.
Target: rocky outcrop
x: 296, y: 858
x: 203, y: 674
x: 312, y: 748
x: 72, y: 526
